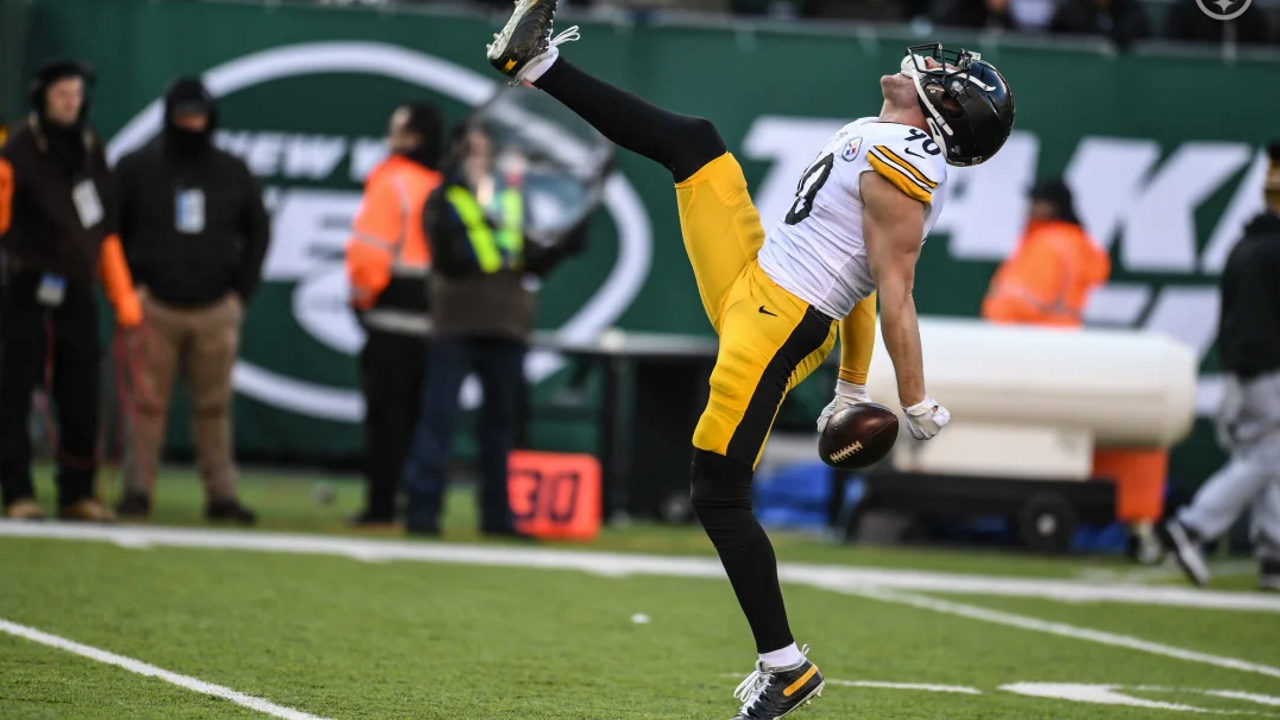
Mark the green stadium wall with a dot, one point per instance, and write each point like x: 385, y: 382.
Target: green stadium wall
x: 1165, y: 151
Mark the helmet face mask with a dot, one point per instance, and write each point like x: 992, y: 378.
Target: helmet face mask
x: 966, y: 102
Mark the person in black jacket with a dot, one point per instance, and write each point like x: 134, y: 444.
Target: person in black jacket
x: 483, y: 298
x: 195, y: 233
x: 1249, y: 420
x: 61, y: 236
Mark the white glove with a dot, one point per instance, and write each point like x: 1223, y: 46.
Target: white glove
x: 847, y: 395
x: 926, y: 418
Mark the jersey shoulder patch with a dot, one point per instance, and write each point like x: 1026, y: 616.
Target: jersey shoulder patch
x: 849, y: 151
x: 908, y: 158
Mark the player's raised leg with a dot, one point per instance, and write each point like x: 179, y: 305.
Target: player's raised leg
x: 720, y: 226
x: 768, y: 337
x: 525, y: 51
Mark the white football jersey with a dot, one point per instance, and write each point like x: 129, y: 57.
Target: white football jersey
x: 816, y: 251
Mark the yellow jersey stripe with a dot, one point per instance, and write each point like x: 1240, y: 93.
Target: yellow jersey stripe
x: 891, y: 155
x: 901, y: 180
x: 799, y: 683
x: 889, y: 161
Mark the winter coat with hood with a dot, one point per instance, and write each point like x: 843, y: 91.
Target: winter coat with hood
x: 47, y: 233
x: 191, y: 215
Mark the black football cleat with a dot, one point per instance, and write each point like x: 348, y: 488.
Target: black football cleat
x: 770, y: 693
x: 1269, y: 575
x: 229, y: 511
x: 1183, y: 543
x: 526, y: 37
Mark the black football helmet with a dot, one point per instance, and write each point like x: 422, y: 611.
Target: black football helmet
x: 966, y: 102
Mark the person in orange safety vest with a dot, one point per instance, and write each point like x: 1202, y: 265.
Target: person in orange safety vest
x: 387, y: 260
x: 1048, y: 278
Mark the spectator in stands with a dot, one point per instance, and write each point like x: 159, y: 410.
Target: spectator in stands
x: 974, y: 13
x: 1188, y: 22
x: 1122, y: 21
x: 869, y: 10
x: 62, y: 233
x: 195, y: 232
x: 1249, y: 418
x: 1048, y: 278
x: 387, y: 263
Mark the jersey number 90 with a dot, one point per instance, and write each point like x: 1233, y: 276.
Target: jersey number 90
x: 810, y: 183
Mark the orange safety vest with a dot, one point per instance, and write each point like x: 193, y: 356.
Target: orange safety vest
x: 6, y: 195
x: 1047, y: 280
x: 386, y: 236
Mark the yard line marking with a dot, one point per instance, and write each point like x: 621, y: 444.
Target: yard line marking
x: 612, y: 564
x: 1098, y: 695
x: 1251, y: 697
x: 141, y: 668
x: 1229, y: 694
x: 918, y: 687
x: 957, y: 689
x: 1061, y: 629
x: 1109, y: 694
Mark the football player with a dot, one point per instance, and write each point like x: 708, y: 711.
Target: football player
x: 856, y: 227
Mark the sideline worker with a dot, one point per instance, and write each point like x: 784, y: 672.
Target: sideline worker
x: 1048, y: 278
x: 1249, y: 420
x: 61, y: 234
x: 387, y: 264
x: 195, y: 232
x: 482, y: 313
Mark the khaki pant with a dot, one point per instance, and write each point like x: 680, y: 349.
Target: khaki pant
x: 202, y: 343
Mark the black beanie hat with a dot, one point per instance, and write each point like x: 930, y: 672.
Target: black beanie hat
x: 50, y: 73
x: 188, y: 94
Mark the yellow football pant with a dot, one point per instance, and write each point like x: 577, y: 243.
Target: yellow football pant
x: 770, y: 339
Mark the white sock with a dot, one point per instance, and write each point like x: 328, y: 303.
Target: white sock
x: 540, y: 65
x: 786, y: 657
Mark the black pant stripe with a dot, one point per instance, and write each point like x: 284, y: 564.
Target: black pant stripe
x: 807, y: 337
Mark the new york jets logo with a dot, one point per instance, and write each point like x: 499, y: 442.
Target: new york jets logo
x: 1224, y: 9
x: 313, y: 188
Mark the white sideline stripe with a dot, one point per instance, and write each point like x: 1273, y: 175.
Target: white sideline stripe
x: 1251, y: 697
x: 620, y: 564
x: 1164, y: 572
x: 957, y: 689
x: 1061, y: 629
x: 872, y: 584
x: 137, y: 666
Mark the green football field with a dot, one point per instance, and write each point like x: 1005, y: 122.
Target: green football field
x: 303, y: 618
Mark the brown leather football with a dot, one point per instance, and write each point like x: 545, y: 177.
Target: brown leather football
x: 858, y: 436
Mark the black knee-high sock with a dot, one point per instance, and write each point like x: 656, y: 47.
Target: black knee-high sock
x: 722, y: 500
x: 682, y: 143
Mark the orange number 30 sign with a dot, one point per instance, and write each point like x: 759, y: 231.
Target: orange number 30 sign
x: 555, y: 495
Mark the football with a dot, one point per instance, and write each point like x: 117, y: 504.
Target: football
x: 858, y: 436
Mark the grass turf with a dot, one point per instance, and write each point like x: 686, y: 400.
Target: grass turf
x: 347, y: 639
